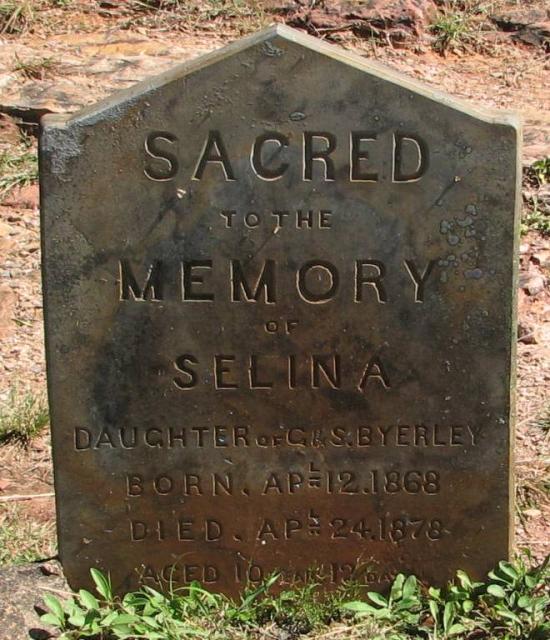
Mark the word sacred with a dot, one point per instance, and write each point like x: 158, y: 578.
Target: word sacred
x: 271, y: 154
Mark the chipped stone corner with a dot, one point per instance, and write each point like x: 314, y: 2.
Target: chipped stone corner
x: 59, y: 144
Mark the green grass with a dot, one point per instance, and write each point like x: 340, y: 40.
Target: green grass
x: 35, y: 69
x: 243, y: 15
x: 22, y: 539
x: 23, y: 416
x: 458, y: 25
x: 18, y: 16
x: 514, y: 604
x: 536, y: 215
x: 18, y: 166
x: 15, y: 15
x: 535, y: 218
x: 541, y: 170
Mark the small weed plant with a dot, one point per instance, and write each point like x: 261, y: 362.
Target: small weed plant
x: 15, y: 15
x: 23, y: 415
x: 23, y: 538
x: 18, y: 166
x: 514, y: 604
x: 19, y: 16
x: 541, y: 170
x: 35, y: 69
x: 244, y: 15
x: 536, y: 180
x: 459, y: 24
x: 536, y: 218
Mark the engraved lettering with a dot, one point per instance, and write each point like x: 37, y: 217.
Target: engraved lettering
x: 181, y: 365
x: 331, y: 373
x: 374, y: 369
x: 166, y: 164
x: 256, y: 157
x: 373, y: 280
x: 134, y: 485
x: 254, y: 377
x: 359, y: 156
x: 265, y: 283
x: 189, y: 279
x: 214, y: 151
x: 312, y: 154
x: 418, y: 278
x: 321, y: 266
x: 152, y: 287
x: 220, y: 369
x: 417, y: 146
x: 82, y: 438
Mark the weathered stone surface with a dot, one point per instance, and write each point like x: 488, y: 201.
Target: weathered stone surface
x: 279, y: 297
x: 22, y: 589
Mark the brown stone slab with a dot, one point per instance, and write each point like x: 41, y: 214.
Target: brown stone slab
x: 279, y: 295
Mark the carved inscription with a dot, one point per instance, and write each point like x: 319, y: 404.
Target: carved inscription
x: 268, y: 160
x: 261, y: 283
x: 278, y: 304
x: 418, y: 436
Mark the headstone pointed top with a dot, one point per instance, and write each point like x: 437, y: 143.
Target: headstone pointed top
x: 266, y: 39
x: 279, y: 298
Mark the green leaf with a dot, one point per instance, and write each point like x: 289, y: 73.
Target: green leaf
x: 409, y: 588
x: 530, y: 581
x: 464, y: 579
x: 51, y: 619
x: 495, y: 576
x: 434, y: 593
x: 508, y: 569
x: 397, y: 587
x: 467, y: 606
x: 91, y: 618
x: 506, y: 613
x: 541, y: 603
x: 102, y: 584
x: 455, y: 629
x: 77, y: 619
x: 359, y: 607
x: 109, y: 618
x: 377, y: 598
x: 123, y: 631
x: 525, y: 601
x: 150, y: 621
x: 496, y: 590
x: 88, y: 600
x: 434, y: 609
x: 54, y: 606
x: 448, y: 616
x: 70, y: 607
x: 406, y: 604
x: 125, y: 618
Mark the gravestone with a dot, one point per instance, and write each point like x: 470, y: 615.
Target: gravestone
x: 279, y: 295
